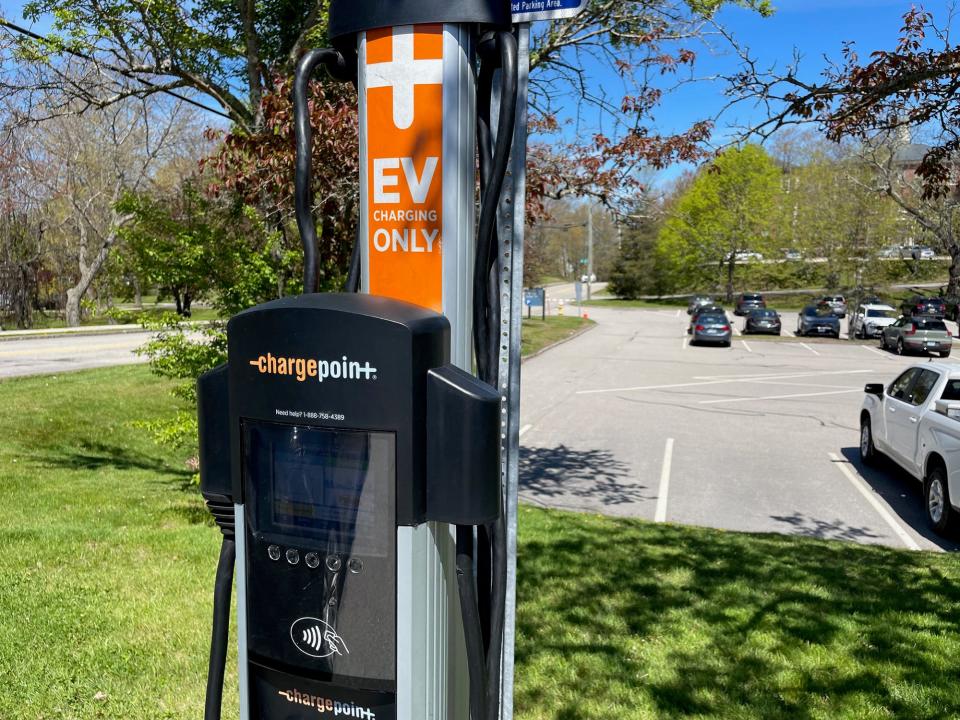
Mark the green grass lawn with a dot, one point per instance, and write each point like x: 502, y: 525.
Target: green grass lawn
x: 108, y: 563
x: 538, y: 334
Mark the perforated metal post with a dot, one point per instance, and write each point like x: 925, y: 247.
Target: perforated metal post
x: 512, y: 223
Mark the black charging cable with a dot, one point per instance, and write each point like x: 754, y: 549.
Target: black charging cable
x: 303, y: 167
x: 220, y: 634
x: 498, y: 51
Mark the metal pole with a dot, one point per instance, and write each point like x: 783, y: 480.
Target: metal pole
x: 513, y: 220
x: 589, y: 250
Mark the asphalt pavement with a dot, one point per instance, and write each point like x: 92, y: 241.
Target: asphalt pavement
x: 35, y: 356
x: 629, y: 420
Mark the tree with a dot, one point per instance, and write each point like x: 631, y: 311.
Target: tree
x: 642, y: 268
x: 86, y: 164
x: 828, y: 210
x: 172, y: 240
x: 728, y: 210
x: 915, y: 84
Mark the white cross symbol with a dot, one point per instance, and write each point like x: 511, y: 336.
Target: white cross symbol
x: 402, y: 74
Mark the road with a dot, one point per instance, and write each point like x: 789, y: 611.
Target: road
x: 61, y: 354
x: 629, y: 420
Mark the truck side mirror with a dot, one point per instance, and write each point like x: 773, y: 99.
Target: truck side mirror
x: 874, y: 389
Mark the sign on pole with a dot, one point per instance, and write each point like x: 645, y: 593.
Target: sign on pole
x: 535, y: 297
x: 530, y: 10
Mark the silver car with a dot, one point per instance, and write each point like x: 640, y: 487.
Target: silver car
x: 711, y: 328
x: 917, y: 334
x: 838, y: 303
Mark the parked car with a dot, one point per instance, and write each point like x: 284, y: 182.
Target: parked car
x: 917, y: 334
x: 712, y: 328
x: 870, y: 319
x: 838, y: 303
x: 747, y: 302
x: 792, y: 255
x: 698, y: 301
x: 743, y: 256
x: 710, y: 309
x: 924, y: 306
x: 763, y: 320
x: 918, y: 252
x: 951, y: 307
x: 915, y: 421
x: 818, y: 320
x: 893, y: 251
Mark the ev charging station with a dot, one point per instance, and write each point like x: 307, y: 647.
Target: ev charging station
x: 363, y: 478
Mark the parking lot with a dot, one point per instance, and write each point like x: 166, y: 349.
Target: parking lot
x: 628, y: 419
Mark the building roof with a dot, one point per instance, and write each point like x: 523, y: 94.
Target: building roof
x: 911, y: 154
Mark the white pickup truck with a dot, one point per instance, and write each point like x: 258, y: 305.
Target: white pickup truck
x: 915, y: 420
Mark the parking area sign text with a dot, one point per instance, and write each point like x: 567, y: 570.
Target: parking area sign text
x: 529, y: 10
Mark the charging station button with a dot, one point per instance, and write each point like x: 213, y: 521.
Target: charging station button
x: 311, y: 559
x: 274, y: 552
x: 293, y: 556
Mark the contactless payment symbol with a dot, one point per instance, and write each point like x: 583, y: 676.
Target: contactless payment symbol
x: 316, y: 638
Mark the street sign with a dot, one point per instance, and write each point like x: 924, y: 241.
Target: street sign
x: 535, y: 297
x: 530, y: 10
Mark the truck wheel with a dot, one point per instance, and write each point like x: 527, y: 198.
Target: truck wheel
x: 868, y: 451
x: 936, y: 497
x: 945, y: 353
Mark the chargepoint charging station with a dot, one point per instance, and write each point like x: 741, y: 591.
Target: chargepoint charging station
x: 351, y: 457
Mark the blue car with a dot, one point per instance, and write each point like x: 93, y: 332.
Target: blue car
x: 818, y: 320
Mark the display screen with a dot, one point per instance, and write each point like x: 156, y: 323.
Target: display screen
x: 335, y: 486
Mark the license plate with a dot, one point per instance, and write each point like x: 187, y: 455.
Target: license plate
x: 932, y: 344
x: 823, y: 329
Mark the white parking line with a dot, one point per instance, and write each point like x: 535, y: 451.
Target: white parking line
x: 782, y: 376
x: 871, y: 497
x: 779, y: 397
x: 721, y: 381
x: 746, y: 347
x: 524, y: 429
x: 660, y: 515
x: 678, y: 312
x: 809, y: 348
x: 686, y: 343
x: 888, y: 356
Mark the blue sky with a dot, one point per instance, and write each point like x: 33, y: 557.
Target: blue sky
x: 816, y: 28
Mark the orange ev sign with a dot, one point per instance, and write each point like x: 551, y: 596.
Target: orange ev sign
x: 404, y: 135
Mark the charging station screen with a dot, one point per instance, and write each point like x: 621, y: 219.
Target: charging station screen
x: 333, y: 486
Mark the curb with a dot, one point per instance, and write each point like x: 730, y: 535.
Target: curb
x: 586, y: 328
x: 127, y: 329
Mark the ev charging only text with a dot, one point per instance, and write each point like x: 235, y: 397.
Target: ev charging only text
x: 386, y: 182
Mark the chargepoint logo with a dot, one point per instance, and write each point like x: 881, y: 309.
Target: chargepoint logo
x: 337, y: 708
x: 320, y: 370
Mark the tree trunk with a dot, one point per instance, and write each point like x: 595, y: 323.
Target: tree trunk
x: 730, y: 268
x: 178, y: 300
x: 87, y: 275
x: 954, y: 283
x: 74, y: 295
x: 137, y: 293
x: 187, y: 302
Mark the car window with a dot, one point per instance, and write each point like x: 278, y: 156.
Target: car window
x: 713, y: 319
x: 923, y: 386
x: 951, y: 391
x: 930, y: 325
x: 879, y: 313
x: 898, y: 388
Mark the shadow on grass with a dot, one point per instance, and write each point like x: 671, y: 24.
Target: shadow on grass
x: 563, y: 472
x: 191, y: 513
x: 97, y: 456
x: 673, y: 622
